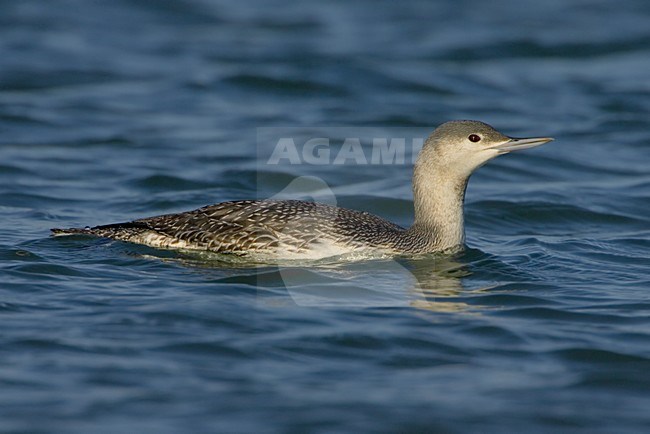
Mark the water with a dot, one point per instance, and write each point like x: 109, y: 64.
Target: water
x: 118, y: 110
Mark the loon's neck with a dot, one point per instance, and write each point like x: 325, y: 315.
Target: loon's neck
x: 438, y: 196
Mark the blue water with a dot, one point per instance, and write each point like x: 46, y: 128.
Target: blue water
x: 117, y: 110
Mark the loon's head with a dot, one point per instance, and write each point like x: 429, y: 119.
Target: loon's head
x: 457, y: 148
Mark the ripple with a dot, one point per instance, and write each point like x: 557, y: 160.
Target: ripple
x: 548, y: 314
x: 19, y: 255
x: 44, y: 271
x: 204, y: 348
x: 513, y: 299
x: 596, y: 356
x: 284, y: 85
x: 548, y: 213
x: 38, y: 81
x: 536, y: 50
x: 160, y: 182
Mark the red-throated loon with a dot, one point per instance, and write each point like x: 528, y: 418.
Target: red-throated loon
x: 293, y: 229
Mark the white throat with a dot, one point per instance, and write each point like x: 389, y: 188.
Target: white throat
x: 438, y: 196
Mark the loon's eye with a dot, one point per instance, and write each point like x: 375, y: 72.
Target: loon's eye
x: 474, y: 138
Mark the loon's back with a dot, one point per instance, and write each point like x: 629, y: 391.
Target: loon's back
x: 276, y: 228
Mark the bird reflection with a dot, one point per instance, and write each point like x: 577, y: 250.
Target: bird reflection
x: 431, y: 282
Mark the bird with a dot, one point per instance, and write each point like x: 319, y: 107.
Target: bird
x: 296, y: 229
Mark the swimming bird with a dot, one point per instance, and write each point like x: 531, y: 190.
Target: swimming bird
x: 294, y: 229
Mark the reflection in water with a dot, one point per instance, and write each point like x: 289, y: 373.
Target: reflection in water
x: 436, y: 280
x: 431, y: 282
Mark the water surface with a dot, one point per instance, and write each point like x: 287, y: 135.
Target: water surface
x: 118, y: 110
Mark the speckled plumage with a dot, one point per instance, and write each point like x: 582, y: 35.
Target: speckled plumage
x: 273, y: 227
x: 293, y: 229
